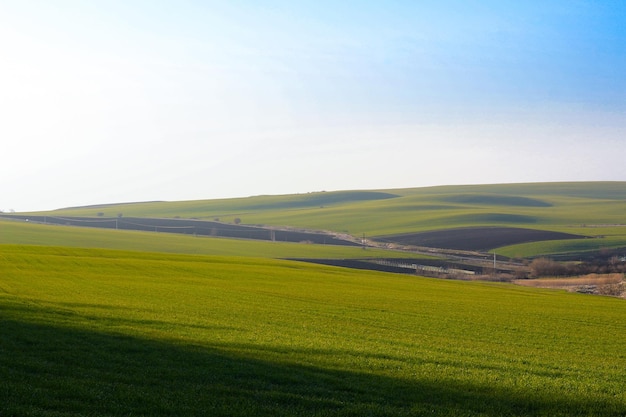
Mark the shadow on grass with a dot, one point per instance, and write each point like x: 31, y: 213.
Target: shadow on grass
x: 47, y: 370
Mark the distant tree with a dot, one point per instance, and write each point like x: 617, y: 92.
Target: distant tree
x: 237, y: 220
x: 100, y: 214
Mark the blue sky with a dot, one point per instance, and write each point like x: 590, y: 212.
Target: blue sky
x: 113, y: 101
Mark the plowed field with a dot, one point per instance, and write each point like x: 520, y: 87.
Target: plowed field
x: 476, y: 238
x: 190, y: 227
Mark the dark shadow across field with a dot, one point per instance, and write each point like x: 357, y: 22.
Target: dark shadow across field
x: 319, y: 199
x: 496, y: 200
x: 47, y: 370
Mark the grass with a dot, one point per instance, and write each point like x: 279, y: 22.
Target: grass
x: 101, y: 332
x: 120, y: 323
x: 562, y: 247
x: 551, y: 206
x: 52, y: 235
x: 594, y: 209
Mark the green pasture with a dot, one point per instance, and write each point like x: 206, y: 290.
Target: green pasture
x: 14, y: 232
x: 594, y: 209
x: 550, y: 206
x: 88, y: 332
x: 561, y: 247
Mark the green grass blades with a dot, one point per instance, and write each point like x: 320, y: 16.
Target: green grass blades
x: 87, y: 332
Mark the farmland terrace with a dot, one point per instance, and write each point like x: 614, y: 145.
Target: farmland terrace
x: 476, y: 238
x: 192, y: 227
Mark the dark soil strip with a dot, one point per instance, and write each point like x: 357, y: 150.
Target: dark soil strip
x: 401, y: 266
x: 356, y: 264
x: 476, y: 238
x: 189, y: 227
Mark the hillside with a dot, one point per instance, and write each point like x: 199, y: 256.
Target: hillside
x: 389, y: 211
x: 595, y: 210
x: 118, y: 333
x: 122, y: 322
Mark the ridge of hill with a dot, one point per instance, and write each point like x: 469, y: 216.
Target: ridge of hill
x: 208, y: 208
x: 518, y: 194
x: 588, y: 209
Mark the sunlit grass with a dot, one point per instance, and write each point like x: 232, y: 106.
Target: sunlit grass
x: 52, y: 235
x: 560, y: 205
x: 559, y: 247
x: 100, y: 332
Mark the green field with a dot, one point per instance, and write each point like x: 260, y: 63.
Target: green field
x: 97, y: 322
x: 591, y: 209
x: 98, y: 332
x: 542, y: 205
x: 12, y: 232
x: 564, y: 247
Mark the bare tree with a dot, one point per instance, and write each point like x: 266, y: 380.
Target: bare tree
x: 543, y: 267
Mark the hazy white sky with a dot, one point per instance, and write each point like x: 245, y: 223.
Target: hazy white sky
x: 132, y: 100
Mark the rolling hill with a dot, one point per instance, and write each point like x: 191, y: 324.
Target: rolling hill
x: 137, y: 322
x: 595, y: 210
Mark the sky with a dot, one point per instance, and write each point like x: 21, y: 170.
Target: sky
x: 109, y: 101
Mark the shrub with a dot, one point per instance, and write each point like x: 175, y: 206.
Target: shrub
x: 543, y: 267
